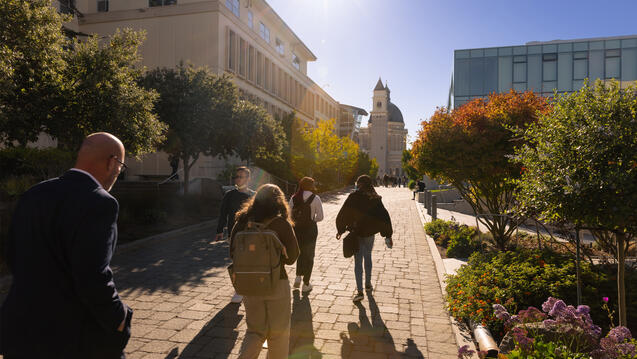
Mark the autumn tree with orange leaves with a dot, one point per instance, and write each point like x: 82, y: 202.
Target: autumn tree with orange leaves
x: 470, y: 148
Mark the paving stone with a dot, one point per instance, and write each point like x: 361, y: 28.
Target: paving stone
x: 180, y: 291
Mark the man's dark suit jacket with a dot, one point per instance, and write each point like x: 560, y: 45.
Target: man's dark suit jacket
x: 63, y: 302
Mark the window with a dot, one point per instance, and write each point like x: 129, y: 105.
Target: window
x: 519, y: 69
x: 259, y: 69
x: 242, y: 57
x: 549, y: 67
x: 379, y: 104
x: 264, y: 32
x: 233, y: 5
x: 250, y: 19
x: 232, y: 50
x: 280, y: 47
x: 152, y: 3
x: 67, y: 6
x: 102, y: 5
x: 612, y: 63
x: 580, y: 65
x: 251, y: 63
x: 296, y: 62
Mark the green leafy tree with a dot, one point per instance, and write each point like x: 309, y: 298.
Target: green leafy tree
x: 470, y: 148
x: 262, y: 137
x: 410, y: 170
x: 282, y: 166
x: 197, y: 106
x: 103, y: 94
x: 32, y: 46
x: 580, y: 166
x: 365, y: 166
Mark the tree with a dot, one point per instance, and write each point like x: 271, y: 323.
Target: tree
x: 197, y: 106
x: 32, y: 46
x: 580, y: 166
x: 262, y: 137
x: 102, y: 94
x: 410, y: 170
x: 365, y: 166
x: 470, y: 148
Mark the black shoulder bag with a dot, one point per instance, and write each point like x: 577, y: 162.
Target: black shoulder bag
x: 350, y: 243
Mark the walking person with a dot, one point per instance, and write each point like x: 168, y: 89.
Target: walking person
x: 307, y: 210
x: 268, y: 317
x: 230, y: 204
x: 364, y: 215
x: 63, y: 302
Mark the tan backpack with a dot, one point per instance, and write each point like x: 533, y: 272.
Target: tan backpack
x: 256, y: 260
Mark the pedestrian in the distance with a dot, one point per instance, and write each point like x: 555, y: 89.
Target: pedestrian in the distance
x: 364, y: 214
x: 268, y: 317
x: 307, y: 210
x: 63, y: 302
x: 230, y: 204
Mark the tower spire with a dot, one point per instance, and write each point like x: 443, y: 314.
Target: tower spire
x: 379, y: 85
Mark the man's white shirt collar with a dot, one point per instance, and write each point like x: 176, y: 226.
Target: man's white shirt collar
x: 88, y: 174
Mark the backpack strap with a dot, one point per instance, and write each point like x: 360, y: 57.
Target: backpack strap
x: 262, y: 226
x: 310, y: 199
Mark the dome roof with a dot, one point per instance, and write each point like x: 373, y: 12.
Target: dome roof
x: 394, y: 113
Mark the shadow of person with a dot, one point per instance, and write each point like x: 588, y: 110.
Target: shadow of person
x: 373, y: 334
x: 302, y: 329
x: 217, y: 337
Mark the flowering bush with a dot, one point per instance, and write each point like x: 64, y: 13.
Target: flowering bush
x: 439, y: 230
x: 463, y: 242
x: 563, y: 331
x: 519, y: 279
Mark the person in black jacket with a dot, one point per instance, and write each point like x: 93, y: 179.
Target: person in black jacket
x: 63, y: 302
x: 364, y: 215
x: 230, y: 204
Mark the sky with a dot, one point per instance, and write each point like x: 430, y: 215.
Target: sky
x: 410, y: 43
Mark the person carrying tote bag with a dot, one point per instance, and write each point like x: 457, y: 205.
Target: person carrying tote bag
x: 364, y: 215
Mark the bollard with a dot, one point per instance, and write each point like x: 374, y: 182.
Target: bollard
x: 434, y: 208
x: 421, y: 197
x: 428, y: 201
x: 485, y: 340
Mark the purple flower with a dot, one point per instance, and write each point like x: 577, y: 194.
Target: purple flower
x: 531, y: 315
x: 548, y: 305
x: 465, y: 351
x: 501, y: 312
x: 605, y: 299
x: 549, y: 323
x: 620, y: 334
x: 583, y: 309
x: 519, y: 335
x: 558, y: 309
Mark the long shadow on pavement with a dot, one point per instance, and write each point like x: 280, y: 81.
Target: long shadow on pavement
x: 217, y: 338
x: 374, y: 335
x: 166, y: 265
x: 302, y: 329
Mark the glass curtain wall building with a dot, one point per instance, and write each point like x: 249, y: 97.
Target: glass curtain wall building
x: 542, y: 67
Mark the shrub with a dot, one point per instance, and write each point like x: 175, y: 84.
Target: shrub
x: 440, y: 230
x: 39, y: 163
x: 517, y: 279
x: 411, y: 184
x: 463, y: 242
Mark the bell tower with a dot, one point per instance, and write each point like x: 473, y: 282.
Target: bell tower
x: 378, y: 126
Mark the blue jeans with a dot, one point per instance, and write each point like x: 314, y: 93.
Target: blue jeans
x: 365, y: 246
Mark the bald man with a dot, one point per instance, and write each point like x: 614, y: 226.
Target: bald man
x: 63, y: 302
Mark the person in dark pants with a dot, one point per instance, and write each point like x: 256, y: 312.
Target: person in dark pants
x: 307, y: 210
x: 63, y: 302
x: 364, y: 214
x: 420, y: 188
x: 230, y: 204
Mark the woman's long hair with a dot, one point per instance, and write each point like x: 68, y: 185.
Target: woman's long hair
x: 364, y: 185
x: 268, y: 202
x: 305, y: 184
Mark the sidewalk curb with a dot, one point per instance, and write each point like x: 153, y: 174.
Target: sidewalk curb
x: 191, y: 228
x: 463, y: 337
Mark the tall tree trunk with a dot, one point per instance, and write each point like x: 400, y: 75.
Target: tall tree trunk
x: 186, y: 159
x: 621, y: 268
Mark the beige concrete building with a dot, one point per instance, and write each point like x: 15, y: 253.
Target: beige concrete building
x: 245, y: 38
x: 385, y: 136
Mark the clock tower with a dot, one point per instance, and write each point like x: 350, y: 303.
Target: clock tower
x: 378, y: 126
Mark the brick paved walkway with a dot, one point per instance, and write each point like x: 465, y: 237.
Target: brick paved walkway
x: 180, y: 291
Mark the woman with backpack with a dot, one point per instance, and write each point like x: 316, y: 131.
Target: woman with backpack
x: 267, y: 316
x: 307, y: 209
x: 364, y: 215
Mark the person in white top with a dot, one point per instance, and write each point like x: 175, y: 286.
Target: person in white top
x: 307, y: 209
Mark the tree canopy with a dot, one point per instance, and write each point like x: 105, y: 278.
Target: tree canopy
x: 470, y: 148
x: 262, y: 137
x: 580, y: 165
x: 197, y: 106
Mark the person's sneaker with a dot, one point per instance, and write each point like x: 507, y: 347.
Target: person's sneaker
x: 358, y: 297
x: 236, y: 298
x: 307, y: 287
x: 369, y: 287
x: 297, y: 281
